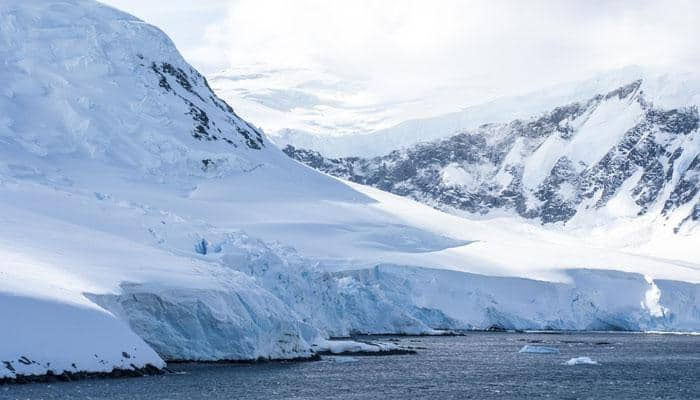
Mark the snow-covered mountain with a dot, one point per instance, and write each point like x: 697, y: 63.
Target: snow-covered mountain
x: 616, y: 155
x: 664, y: 89
x: 141, y: 220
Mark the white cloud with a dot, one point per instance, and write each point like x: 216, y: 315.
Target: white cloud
x: 455, y: 51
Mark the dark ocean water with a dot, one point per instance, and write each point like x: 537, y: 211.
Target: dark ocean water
x: 475, y: 366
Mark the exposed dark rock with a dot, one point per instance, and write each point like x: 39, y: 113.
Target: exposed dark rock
x: 392, y: 352
x: 259, y: 360
x: 496, y: 328
x: 687, y: 187
x: 9, y: 366
x: 66, y: 376
x: 170, y: 78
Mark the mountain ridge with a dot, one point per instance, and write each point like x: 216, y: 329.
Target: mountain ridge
x: 666, y: 89
x: 535, y: 166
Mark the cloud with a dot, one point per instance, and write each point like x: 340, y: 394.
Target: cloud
x: 458, y: 51
x: 427, y: 44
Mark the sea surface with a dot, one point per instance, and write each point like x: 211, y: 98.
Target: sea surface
x: 474, y: 366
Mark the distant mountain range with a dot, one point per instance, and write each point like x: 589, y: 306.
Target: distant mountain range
x: 616, y: 153
x: 303, y: 109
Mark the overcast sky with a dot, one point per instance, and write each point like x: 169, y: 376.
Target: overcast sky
x: 399, y: 49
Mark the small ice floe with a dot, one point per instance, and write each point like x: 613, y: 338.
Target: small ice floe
x: 581, y: 361
x: 351, y: 346
x: 673, y: 333
x: 539, y: 349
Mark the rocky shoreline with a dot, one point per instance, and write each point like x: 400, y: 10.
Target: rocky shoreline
x: 68, y: 376
x: 150, y: 370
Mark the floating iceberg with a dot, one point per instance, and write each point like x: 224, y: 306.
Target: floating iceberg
x: 355, y: 347
x: 538, y: 349
x: 581, y: 361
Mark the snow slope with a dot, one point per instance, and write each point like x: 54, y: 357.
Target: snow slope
x: 142, y: 221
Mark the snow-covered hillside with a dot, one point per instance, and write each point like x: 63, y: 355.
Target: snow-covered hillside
x: 142, y: 221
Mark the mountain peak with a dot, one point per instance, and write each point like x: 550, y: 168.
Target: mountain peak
x: 613, y: 156
x: 108, y: 86
x: 624, y: 91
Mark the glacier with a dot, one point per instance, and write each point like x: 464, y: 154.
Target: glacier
x: 143, y: 221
